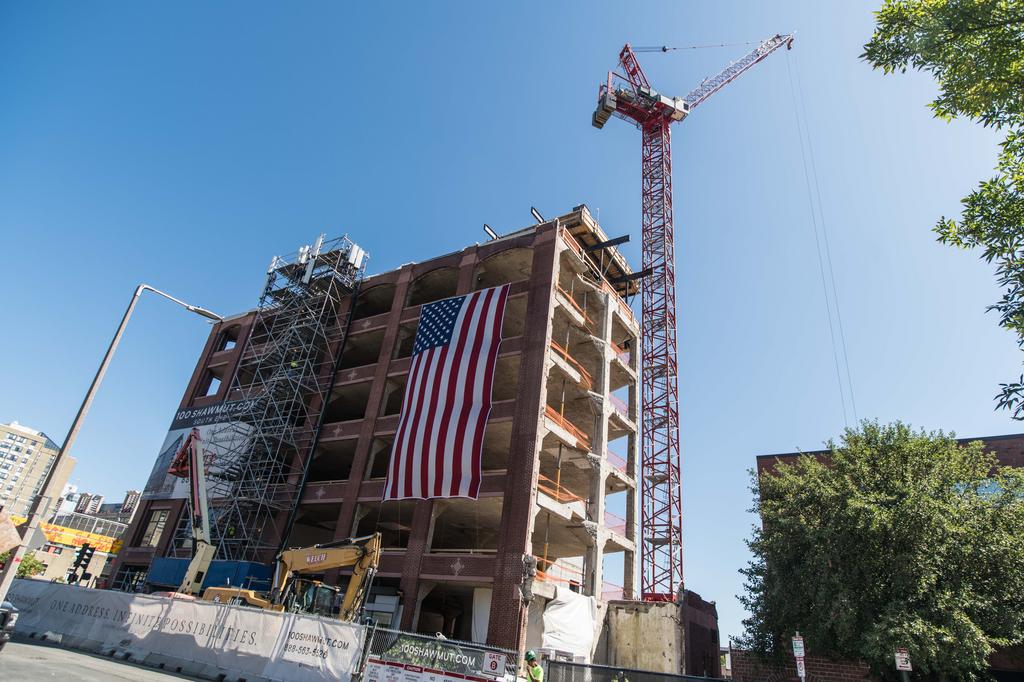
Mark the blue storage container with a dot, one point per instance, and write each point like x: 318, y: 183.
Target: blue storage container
x: 166, y: 573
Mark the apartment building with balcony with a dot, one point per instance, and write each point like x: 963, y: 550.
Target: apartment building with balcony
x: 560, y: 452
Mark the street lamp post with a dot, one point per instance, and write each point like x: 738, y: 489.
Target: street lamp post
x: 40, y: 503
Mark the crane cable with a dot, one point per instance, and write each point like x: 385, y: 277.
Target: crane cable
x: 666, y: 48
x: 824, y: 262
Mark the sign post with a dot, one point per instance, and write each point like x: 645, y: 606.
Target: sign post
x: 798, y: 653
x: 903, y: 664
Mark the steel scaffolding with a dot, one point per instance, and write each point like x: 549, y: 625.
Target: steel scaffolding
x: 258, y: 461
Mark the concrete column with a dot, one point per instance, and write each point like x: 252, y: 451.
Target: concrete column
x: 422, y: 525
x: 629, y: 576
x: 593, y: 569
x: 596, y: 507
x: 413, y: 607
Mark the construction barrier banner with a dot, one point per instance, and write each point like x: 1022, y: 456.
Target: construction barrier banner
x: 397, y: 656
x: 433, y: 654
x: 204, y: 638
x: 62, y: 535
x: 390, y: 671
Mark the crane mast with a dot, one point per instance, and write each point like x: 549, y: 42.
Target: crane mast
x: 629, y: 96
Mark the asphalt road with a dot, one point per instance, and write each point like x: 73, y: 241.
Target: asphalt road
x: 26, y: 659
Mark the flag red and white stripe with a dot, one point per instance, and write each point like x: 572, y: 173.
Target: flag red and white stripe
x: 439, y: 442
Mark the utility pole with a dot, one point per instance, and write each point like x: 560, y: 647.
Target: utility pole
x: 41, y: 503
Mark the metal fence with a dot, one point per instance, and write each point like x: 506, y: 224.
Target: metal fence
x: 562, y: 671
x: 90, y: 524
x: 392, y: 651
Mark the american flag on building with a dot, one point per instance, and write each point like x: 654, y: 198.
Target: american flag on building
x: 438, y: 445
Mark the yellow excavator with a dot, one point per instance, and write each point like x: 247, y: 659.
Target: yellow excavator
x: 290, y: 591
x: 296, y: 594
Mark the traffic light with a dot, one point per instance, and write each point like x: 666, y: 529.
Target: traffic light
x: 84, y: 556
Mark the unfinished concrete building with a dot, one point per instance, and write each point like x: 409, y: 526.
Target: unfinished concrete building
x: 560, y: 449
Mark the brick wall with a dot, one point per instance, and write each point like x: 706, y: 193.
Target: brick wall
x: 1010, y: 659
x: 700, y: 625
x: 748, y: 667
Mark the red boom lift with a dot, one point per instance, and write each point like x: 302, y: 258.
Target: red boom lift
x: 189, y: 463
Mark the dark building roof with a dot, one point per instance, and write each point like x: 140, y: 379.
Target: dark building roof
x: 1008, y: 449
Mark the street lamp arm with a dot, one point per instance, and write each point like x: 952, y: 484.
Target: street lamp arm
x: 41, y: 501
x: 191, y: 308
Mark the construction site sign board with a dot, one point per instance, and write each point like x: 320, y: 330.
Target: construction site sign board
x: 903, y: 660
x: 217, y: 413
x: 217, y: 429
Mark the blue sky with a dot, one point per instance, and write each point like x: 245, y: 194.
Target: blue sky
x: 183, y: 145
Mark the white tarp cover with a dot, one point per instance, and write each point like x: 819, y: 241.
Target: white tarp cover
x: 481, y: 613
x: 265, y: 644
x: 569, y: 623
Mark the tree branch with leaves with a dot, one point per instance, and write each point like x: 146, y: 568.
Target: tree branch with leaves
x: 29, y: 565
x: 973, y: 49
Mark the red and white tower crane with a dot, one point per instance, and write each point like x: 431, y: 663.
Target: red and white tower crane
x: 630, y: 97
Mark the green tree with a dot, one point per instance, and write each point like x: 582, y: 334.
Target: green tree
x: 896, y: 539
x: 973, y: 49
x: 29, y: 565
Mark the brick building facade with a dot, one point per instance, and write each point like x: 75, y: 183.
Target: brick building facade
x: 560, y: 448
